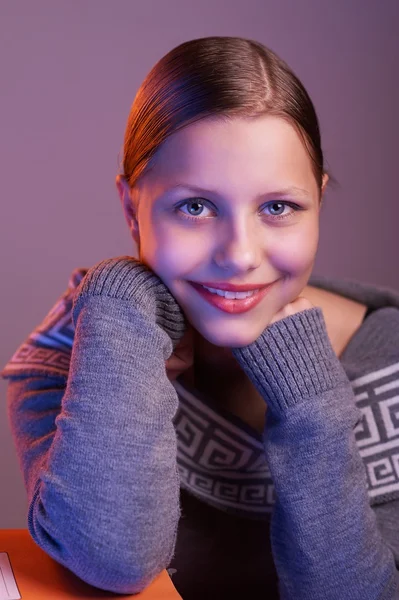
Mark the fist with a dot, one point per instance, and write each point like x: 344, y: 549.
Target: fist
x: 298, y: 305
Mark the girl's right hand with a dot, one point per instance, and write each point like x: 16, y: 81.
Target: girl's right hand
x: 183, y: 355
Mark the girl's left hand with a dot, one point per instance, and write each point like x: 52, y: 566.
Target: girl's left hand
x: 298, y: 305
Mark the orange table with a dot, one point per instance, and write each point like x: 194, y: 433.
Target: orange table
x: 39, y: 577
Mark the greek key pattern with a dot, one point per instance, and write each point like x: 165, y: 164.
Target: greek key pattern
x: 377, y: 434
x: 226, y: 467
x: 31, y: 359
x: 219, y: 462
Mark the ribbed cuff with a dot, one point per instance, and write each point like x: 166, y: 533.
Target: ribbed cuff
x: 126, y: 278
x: 292, y: 359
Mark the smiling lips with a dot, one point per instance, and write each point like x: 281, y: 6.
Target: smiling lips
x: 231, y: 287
x: 233, y: 305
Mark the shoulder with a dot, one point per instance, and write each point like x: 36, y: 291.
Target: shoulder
x: 47, y: 348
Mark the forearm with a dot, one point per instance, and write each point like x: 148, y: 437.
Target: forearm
x: 324, y: 535
x: 98, y: 451
x: 110, y: 484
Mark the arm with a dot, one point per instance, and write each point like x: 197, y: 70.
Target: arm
x: 98, y: 450
x: 325, y: 539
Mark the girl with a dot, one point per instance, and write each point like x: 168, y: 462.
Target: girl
x: 212, y: 407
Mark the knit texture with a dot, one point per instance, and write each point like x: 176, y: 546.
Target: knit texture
x: 126, y: 278
x: 294, y: 360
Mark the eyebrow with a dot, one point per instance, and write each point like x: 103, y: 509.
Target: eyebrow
x: 287, y: 191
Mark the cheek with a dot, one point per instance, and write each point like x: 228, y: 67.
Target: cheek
x: 171, y: 251
x: 295, y: 252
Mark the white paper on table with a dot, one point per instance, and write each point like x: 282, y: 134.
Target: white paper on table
x: 8, y: 585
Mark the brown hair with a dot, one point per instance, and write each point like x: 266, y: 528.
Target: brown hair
x: 219, y: 77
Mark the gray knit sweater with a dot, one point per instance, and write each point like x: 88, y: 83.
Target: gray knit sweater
x: 106, y: 443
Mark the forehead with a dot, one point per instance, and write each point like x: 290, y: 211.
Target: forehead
x: 240, y: 153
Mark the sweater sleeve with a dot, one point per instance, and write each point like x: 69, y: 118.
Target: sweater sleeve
x: 98, y: 448
x: 325, y: 538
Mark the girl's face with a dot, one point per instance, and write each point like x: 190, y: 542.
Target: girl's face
x: 208, y: 213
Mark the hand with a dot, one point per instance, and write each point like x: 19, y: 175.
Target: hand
x: 182, y: 357
x: 298, y: 305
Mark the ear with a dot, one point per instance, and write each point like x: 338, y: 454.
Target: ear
x: 128, y: 206
x: 323, y: 186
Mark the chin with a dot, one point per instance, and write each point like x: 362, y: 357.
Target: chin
x: 229, y: 340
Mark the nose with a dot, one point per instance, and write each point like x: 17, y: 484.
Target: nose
x: 239, y: 249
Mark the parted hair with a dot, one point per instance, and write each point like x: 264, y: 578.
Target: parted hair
x: 220, y: 77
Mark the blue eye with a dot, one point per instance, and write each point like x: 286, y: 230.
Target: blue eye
x: 199, y: 204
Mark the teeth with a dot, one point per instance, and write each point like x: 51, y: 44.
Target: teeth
x: 231, y: 295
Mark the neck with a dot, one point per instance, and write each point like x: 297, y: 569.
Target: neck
x: 213, y: 358
x: 213, y: 366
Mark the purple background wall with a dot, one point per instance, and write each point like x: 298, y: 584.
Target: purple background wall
x: 69, y: 72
